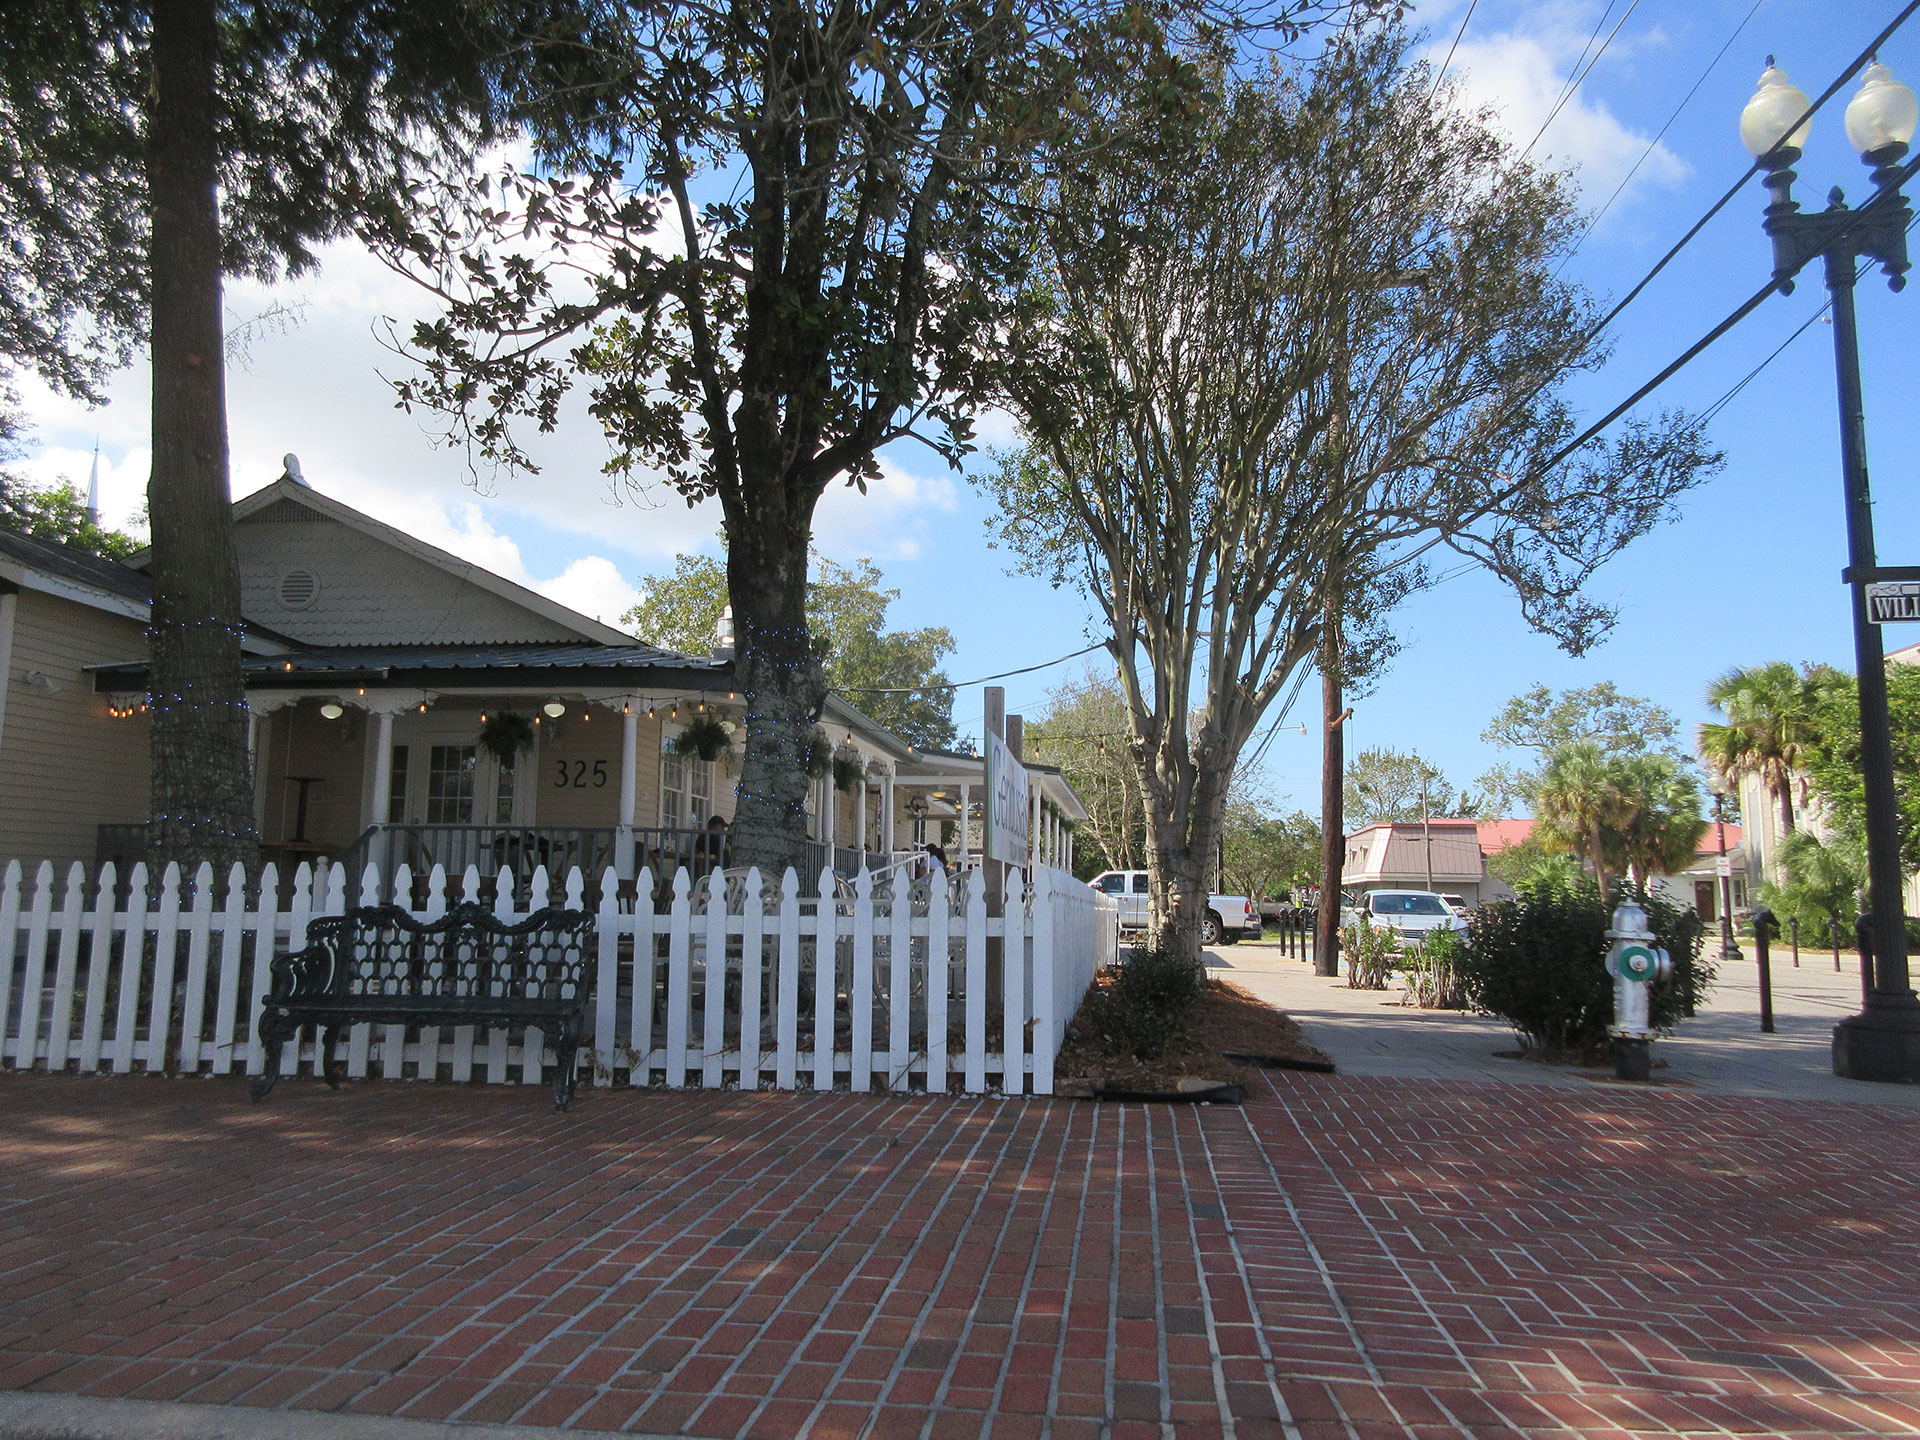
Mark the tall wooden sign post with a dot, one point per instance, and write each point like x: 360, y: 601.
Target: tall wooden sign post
x: 1004, y: 838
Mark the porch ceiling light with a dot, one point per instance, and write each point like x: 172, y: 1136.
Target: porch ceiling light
x: 333, y: 710
x: 554, y: 709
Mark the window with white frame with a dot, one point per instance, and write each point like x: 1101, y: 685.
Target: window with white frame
x: 686, y: 791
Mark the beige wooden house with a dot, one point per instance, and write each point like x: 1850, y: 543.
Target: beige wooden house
x: 374, y: 662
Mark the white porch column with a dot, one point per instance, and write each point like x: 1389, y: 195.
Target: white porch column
x: 9, y: 605
x: 382, y: 705
x: 860, y: 812
x: 886, y: 811
x: 382, y: 765
x: 1069, y: 865
x: 831, y: 830
x: 629, y: 789
x: 628, y: 708
x: 966, y: 804
x: 1036, y: 829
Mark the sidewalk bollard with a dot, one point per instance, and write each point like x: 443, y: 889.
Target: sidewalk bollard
x: 1794, y: 926
x: 1863, y: 937
x: 1763, y: 927
x: 1634, y: 964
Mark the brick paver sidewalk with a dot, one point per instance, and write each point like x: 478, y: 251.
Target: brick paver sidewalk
x: 1338, y: 1257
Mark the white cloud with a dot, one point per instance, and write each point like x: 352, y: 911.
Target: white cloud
x: 594, y: 586
x: 901, y: 516
x: 314, y: 384
x: 1520, y: 74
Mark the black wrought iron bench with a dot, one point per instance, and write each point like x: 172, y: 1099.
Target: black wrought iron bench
x: 378, y: 965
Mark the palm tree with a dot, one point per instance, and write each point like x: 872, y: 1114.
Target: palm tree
x: 1662, y: 834
x: 1582, y: 795
x: 1769, y: 710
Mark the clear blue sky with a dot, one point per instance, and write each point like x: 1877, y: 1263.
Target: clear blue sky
x: 1749, y: 573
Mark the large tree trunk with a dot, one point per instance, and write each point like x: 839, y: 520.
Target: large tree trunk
x: 202, y: 779
x: 1182, y: 842
x: 1333, y: 833
x: 1600, y: 865
x: 783, y: 686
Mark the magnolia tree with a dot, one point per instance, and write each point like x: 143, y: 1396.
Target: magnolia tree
x: 766, y: 242
x: 1306, y: 332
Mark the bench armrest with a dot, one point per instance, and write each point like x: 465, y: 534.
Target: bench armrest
x: 304, y: 975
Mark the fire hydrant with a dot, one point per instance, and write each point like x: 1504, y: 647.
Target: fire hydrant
x: 1635, y: 963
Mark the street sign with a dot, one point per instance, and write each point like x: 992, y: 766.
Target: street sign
x: 1889, y: 602
x: 1724, y: 869
x: 1008, y: 797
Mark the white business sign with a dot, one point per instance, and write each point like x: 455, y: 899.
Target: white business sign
x: 1008, y: 797
x: 1890, y: 601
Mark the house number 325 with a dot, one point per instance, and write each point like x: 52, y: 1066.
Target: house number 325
x: 573, y: 774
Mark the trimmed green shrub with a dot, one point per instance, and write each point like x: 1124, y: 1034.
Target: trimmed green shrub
x: 1150, y: 1001
x: 1539, y: 962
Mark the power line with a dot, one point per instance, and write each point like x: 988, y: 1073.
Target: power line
x: 1707, y: 416
x: 963, y: 684
x: 1740, y: 312
x: 1654, y: 143
x: 1441, y: 73
x: 1576, y: 76
x: 1753, y: 169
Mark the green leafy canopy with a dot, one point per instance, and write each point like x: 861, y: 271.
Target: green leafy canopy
x: 892, y: 675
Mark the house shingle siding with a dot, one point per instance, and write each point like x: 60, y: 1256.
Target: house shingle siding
x: 66, y: 765
x: 370, y: 593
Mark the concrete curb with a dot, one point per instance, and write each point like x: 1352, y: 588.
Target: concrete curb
x: 36, y: 1416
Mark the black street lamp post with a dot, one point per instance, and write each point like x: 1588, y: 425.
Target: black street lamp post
x: 1729, y: 948
x: 1882, y: 1042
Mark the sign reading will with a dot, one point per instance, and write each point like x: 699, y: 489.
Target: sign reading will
x: 1889, y: 601
x: 1007, y: 801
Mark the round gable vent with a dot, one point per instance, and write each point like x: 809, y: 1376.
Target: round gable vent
x: 299, y: 589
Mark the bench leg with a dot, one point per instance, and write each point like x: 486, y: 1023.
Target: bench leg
x: 273, y: 1039
x: 565, y: 1063
x: 335, y: 1070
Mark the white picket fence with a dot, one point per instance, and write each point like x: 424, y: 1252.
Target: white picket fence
x: 864, y: 988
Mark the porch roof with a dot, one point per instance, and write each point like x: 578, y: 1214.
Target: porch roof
x: 475, y: 666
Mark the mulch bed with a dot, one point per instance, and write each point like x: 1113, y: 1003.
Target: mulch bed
x: 1226, y: 1021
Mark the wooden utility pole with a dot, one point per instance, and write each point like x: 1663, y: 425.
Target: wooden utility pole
x: 1333, y: 835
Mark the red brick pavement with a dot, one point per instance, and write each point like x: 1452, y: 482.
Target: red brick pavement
x: 1340, y: 1257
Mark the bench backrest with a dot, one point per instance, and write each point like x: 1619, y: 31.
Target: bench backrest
x: 469, y: 951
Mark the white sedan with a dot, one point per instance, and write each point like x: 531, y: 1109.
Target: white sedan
x: 1410, y: 913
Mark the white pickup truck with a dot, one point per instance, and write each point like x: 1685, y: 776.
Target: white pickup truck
x: 1228, y: 918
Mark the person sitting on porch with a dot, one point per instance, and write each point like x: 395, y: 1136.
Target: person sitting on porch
x: 710, y: 850
x: 934, y: 861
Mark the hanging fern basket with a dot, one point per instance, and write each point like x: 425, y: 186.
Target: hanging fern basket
x: 848, y: 773
x: 704, y: 737
x: 506, y: 735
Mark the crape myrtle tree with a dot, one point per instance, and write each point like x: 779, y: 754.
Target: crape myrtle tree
x: 149, y: 148
x: 1283, y: 340
x: 763, y: 241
